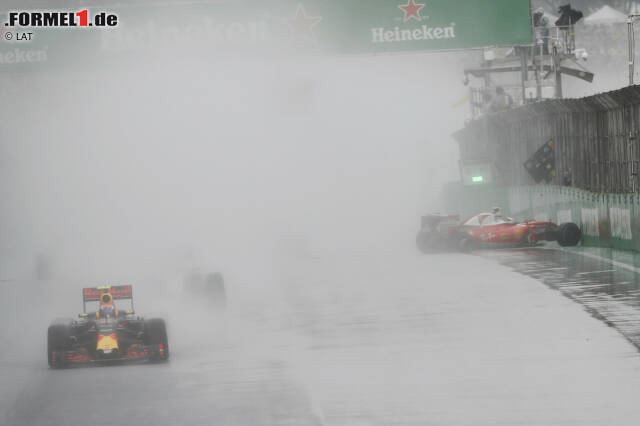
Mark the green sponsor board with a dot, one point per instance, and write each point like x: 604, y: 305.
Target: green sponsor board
x: 378, y: 26
x: 321, y: 26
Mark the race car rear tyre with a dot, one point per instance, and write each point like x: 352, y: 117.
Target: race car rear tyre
x: 214, y: 288
x: 569, y: 234
x: 425, y: 241
x: 465, y: 243
x: 58, y: 336
x: 156, y: 335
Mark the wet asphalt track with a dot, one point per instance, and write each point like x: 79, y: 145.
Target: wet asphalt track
x: 254, y: 368
x: 604, y: 281
x: 212, y: 378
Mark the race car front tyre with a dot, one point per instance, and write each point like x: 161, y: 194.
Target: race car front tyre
x: 569, y: 234
x: 58, y: 336
x: 156, y: 335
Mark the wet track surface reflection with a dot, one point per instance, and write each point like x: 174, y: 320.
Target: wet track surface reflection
x: 358, y: 340
x: 226, y: 387
x: 608, y: 289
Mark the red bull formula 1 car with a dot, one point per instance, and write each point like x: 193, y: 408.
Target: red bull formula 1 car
x: 485, y: 230
x: 107, y: 334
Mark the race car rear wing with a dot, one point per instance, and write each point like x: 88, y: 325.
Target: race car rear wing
x: 431, y: 221
x: 118, y: 292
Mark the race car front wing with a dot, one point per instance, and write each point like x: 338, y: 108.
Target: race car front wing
x: 136, y: 352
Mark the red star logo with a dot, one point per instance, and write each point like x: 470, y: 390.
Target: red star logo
x: 412, y: 10
x: 302, y: 24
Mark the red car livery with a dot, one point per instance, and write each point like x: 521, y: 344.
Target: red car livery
x: 490, y: 230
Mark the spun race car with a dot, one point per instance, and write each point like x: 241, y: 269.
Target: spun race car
x: 485, y: 230
x: 108, y: 334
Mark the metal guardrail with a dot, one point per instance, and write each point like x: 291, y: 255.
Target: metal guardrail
x: 597, y: 141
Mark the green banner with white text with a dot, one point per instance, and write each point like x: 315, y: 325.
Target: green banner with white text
x: 292, y: 26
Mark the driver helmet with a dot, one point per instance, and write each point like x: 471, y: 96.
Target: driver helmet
x: 107, y: 307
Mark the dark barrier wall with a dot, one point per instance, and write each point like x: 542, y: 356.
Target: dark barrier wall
x: 596, y: 140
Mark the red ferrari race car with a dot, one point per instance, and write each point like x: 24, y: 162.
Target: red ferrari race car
x: 484, y: 230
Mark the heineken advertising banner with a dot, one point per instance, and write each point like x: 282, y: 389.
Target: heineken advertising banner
x: 320, y: 26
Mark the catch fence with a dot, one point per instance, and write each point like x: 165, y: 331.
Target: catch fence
x: 597, y: 141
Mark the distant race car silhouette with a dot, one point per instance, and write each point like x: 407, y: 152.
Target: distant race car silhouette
x: 208, y: 288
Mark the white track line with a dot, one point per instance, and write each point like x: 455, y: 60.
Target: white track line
x: 595, y: 256
x: 596, y: 272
